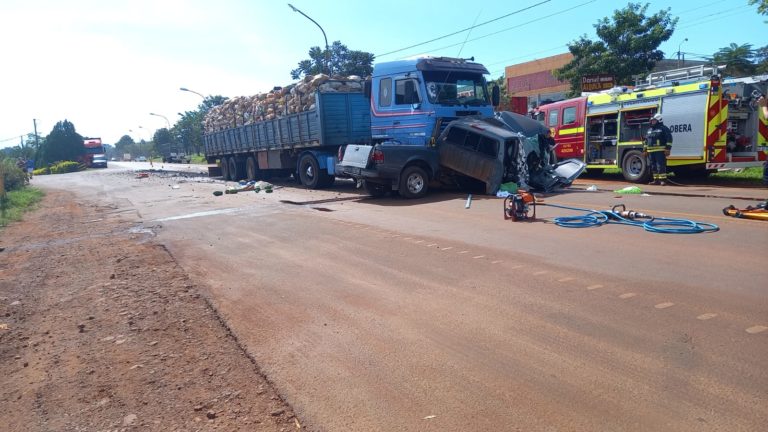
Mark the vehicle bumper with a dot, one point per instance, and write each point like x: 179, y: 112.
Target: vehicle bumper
x: 378, y: 175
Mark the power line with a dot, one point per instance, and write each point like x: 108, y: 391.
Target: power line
x: 15, y: 138
x: 717, y: 16
x: 518, y: 26
x: 466, y: 29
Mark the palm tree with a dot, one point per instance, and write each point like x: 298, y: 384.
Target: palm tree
x: 737, y: 58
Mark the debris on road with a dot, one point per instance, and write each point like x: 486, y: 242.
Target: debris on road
x: 629, y: 190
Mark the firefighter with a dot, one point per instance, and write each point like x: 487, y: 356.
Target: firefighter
x: 658, y: 144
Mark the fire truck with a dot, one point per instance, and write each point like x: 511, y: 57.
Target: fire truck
x: 715, y: 124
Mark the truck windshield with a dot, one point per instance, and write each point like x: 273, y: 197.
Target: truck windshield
x: 456, y: 88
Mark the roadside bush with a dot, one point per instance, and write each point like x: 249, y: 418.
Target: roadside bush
x: 65, y: 167
x: 59, y: 168
x: 14, y: 178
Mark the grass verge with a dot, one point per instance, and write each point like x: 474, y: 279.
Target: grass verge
x: 17, y: 202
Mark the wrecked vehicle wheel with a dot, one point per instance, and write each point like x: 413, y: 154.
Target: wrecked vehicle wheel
x: 413, y: 182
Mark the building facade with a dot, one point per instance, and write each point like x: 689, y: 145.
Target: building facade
x: 535, y: 80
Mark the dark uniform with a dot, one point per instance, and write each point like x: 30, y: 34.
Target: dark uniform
x: 658, y: 141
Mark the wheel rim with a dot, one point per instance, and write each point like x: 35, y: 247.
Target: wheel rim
x: 415, y: 183
x: 309, y: 172
x: 635, y: 166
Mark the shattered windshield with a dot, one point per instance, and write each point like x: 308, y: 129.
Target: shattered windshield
x: 456, y: 88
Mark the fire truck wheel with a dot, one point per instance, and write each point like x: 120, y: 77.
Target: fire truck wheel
x: 634, y: 167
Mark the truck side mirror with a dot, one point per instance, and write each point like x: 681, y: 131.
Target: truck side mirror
x: 495, y: 96
x: 367, y: 87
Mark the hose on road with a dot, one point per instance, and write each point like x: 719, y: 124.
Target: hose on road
x: 661, y: 225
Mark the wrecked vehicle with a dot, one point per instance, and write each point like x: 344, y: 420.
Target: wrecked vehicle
x: 502, y: 149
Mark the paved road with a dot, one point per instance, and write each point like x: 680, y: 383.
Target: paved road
x: 391, y: 315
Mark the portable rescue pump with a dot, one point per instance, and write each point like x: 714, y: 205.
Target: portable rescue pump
x: 517, y: 206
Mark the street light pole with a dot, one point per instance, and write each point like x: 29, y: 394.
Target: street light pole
x: 166, y: 119
x: 327, y: 52
x: 191, y: 91
x: 678, y: 52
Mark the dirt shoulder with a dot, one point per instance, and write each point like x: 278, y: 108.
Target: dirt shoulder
x: 101, y: 329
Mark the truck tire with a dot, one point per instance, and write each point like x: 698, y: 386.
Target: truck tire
x: 414, y: 182
x: 251, y: 169
x: 309, y: 172
x: 224, y: 168
x: 376, y: 190
x: 634, y: 167
x: 235, y: 170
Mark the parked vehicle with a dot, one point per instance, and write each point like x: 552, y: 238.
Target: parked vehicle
x: 141, y: 159
x: 99, y: 161
x: 127, y: 157
x: 173, y: 153
x: 92, y: 148
x: 714, y: 124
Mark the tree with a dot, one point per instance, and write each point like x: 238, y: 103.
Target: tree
x: 737, y: 59
x: 343, y: 61
x: 628, y: 46
x: 762, y: 6
x: 761, y: 59
x: 123, y: 142
x: 62, y: 144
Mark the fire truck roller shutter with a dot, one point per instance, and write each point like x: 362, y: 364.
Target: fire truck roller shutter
x: 600, y: 109
x: 685, y: 116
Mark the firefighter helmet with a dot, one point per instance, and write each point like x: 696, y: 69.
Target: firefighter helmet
x: 657, y: 117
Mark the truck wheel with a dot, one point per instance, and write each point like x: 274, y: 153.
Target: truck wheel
x: 224, y: 168
x: 251, y: 169
x: 376, y: 190
x: 413, y: 182
x: 635, y: 167
x: 235, y: 172
x: 309, y: 172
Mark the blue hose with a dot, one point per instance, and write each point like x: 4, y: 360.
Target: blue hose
x: 594, y: 218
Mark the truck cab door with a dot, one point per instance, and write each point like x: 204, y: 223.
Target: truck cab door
x: 396, y: 113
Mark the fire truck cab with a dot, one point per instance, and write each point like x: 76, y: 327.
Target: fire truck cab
x: 714, y: 124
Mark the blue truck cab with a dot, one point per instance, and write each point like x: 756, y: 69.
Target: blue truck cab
x: 411, y: 103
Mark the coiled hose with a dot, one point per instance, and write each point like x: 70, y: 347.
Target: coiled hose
x: 660, y: 225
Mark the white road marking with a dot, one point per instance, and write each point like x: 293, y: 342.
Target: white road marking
x: 568, y: 279
x: 478, y: 257
x: 448, y: 248
x: 462, y: 252
x: 594, y: 287
x: 664, y: 305
x: 433, y: 244
x: 539, y: 273
x: 706, y: 316
x: 496, y: 262
x: 419, y: 241
x: 627, y: 295
x: 756, y: 329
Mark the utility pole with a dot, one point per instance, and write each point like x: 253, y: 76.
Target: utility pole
x: 37, y: 142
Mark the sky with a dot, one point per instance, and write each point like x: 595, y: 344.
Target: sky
x: 105, y: 65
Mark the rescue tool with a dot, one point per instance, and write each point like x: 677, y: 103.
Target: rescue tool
x: 759, y: 212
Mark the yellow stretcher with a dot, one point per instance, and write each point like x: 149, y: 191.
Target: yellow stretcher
x: 758, y: 213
